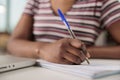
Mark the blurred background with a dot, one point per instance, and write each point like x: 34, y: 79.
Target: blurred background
x: 10, y: 12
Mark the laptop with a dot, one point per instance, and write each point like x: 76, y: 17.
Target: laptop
x: 9, y: 62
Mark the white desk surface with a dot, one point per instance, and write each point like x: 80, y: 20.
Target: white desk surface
x: 38, y: 73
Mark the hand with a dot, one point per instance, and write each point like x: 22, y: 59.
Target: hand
x: 64, y: 51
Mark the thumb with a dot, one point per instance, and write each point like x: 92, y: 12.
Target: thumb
x: 75, y: 43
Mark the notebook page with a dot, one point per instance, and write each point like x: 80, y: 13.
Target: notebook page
x: 89, y: 71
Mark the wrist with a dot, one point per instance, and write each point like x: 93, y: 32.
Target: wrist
x: 36, y: 53
x: 39, y: 48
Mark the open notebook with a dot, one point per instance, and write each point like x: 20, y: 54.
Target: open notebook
x: 95, y: 70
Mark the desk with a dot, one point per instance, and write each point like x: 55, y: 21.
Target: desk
x: 38, y: 73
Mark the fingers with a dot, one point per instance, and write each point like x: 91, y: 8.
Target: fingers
x: 71, y: 51
x: 74, y: 51
x: 65, y: 61
x: 75, y: 43
x: 78, y: 44
x: 72, y: 58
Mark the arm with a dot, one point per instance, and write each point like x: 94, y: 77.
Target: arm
x: 62, y: 51
x: 112, y: 52
x: 20, y: 43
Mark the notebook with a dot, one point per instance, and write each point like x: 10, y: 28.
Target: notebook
x: 95, y: 70
x: 8, y: 63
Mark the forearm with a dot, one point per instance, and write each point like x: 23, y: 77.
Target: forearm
x: 107, y: 52
x: 24, y: 48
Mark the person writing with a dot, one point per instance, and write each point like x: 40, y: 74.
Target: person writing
x: 41, y: 34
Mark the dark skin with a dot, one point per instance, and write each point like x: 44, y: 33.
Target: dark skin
x: 112, y: 52
x: 65, y: 51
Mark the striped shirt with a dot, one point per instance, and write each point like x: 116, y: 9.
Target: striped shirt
x: 87, y: 19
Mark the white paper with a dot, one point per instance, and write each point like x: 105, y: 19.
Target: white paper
x: 93, y: 70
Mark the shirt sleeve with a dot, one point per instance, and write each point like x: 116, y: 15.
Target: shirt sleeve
x: 29, y: 7
x: 110, y: 13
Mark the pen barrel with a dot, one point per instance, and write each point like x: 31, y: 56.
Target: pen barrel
x: 83, y: 47
x: 72, y: 34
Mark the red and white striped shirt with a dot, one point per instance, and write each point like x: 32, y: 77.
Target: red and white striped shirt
x: 87, y: 19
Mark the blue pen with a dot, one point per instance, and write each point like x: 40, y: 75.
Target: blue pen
x: 66, y: 24
x: 72, y: 33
